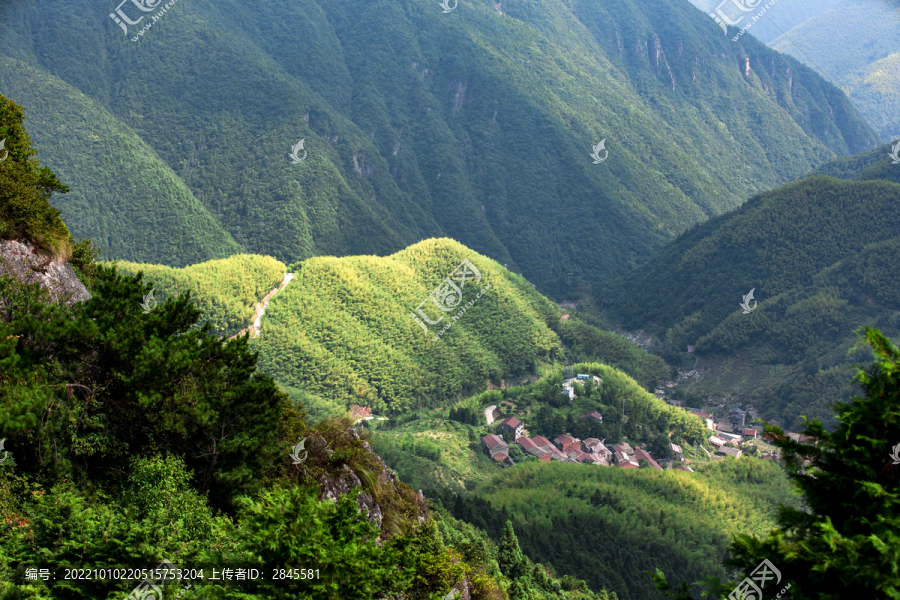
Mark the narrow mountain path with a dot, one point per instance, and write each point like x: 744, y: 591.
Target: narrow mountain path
x: 489, y: 413
x: 261, y: 308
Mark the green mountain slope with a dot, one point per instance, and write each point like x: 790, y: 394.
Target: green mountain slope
x: 474, y: 124
x: 821, y: 255
x: 121, y: 194
x: 226, y: 290
x: 341, y: 331
x: 610, y: 526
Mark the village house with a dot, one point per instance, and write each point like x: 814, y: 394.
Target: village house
x: 525, y: 443
x: 579, y: 456
x: 728, y: 437
x: 565, y: 443
x: 625, y: 462
x: 539, y: 453
x: 717, y: 441
x: 558, y: 456
x: 495, y: 447
x: 707, y: 418
x: 512, y: 426
x: 679, y: 455
x: 726, y: 451
x: 599, y: 459
x: 665, y: 463
x: 595, y: 446
x: 593, y: 415
x: 640, y: 454
x: 623, y: 447
x: 542, y: 442
x: 750, y: 433
x: 737, y: 416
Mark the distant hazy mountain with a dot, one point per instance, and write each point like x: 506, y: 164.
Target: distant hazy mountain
x: 821, y: 256
x: 477, y: 124
x: 782, y: 16
x: 854, y: 45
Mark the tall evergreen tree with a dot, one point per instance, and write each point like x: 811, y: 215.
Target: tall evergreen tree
x: 509, y: 555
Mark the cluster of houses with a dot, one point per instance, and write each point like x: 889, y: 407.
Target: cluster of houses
x: 730, y: 431
x: 566, y: 448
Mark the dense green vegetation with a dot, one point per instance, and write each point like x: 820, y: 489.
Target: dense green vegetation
x: 340, y: 317
x: 414, y: 123
x: 26, y: 188
x: 137, y: 436
x: 846, y: 540
x: 816, y: 277
x: 134, y: 437
x: 226, y: 291
x: 611, y: 525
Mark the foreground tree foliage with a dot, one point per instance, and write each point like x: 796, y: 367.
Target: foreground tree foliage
x: 846, y: 544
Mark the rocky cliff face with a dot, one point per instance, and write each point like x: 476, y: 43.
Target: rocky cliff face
x: 33, y: 266
x: 334, y: 487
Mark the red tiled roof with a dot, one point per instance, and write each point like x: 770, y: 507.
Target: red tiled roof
x: 525, y: 442
x: 545, y: 457
x: 564, y: 439
x: 492, y: 441
x: 594, y: 414
x: 511, y: 421
x: 643, y: 454
x: 499, y: 457
x: 541, y: 441
x: 750, y: 432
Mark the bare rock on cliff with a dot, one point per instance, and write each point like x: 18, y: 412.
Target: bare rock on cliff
x: 29, y: 265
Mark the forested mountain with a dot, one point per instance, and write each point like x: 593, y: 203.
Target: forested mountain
x: 416, y: 124
x: 610, y: 525
x: 866, y: 69
x: 821, y: 256
x: 146, y: 457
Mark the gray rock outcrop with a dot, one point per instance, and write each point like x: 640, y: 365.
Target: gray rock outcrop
x: 29, y: 265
